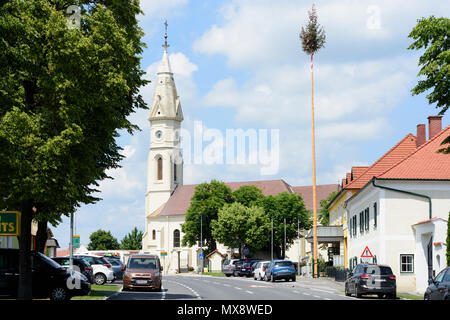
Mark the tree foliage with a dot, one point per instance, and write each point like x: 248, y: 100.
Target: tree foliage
x: 132, y: 241
x: 289, y: 206
x: 448, y: 240
x: 433, y: 35
x: 65, y: 94
x: 102, y: 240
x: 206, y: 202
x: 312, y: 36
x: 324, y: 213
x: 238, y: 226
x: 248, y: 196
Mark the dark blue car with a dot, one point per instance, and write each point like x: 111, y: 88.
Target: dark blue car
x: 280, y: 269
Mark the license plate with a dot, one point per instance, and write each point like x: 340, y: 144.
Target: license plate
x: 141, y: 281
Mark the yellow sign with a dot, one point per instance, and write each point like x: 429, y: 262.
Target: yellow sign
x: 9, y: 223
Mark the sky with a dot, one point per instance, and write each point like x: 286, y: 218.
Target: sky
x: 238, y: 64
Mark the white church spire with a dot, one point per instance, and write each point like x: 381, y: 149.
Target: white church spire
x: 165, y: 103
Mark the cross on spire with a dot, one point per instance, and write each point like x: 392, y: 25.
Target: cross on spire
x: 165, y: 45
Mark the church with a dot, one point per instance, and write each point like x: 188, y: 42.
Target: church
x: 167, y: 198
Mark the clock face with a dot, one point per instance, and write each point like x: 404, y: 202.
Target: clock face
x: 158, y: 134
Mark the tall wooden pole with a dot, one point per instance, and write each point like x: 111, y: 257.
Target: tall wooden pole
x: 314, y: 175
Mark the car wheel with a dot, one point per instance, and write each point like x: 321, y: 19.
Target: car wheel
x: 100, y: 279
x: 228, y: 275
x: 265, y: 278
x: 59, y: 294
x: 426, y: 296
x: 294, y: 279
x: 236, y: 274
x: 346, y: 292
x: 357, y: 293
x: 392, y: 296
x: 272, y: 278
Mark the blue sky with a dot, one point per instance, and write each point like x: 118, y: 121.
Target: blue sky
x: 239, y: 64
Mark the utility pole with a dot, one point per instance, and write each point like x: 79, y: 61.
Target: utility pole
x: 271, y: 243
x: 284, y: 248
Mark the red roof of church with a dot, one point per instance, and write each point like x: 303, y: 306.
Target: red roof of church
x: 180, y: 199
x: 395, y: 155
x: 424, y: 163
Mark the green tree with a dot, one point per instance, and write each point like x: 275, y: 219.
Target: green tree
x: 289, y: 206
x: 206, y: 202
x: 64, y: 96
x: 102, y: 240
x: 248, y: 196
x: 324, y: 213
x: 239, y: 226
x: 132, y: 241
x: 433, y: 35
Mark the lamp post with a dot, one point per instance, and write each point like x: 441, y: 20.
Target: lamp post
x: 201, y: 242
x: 271, y: 242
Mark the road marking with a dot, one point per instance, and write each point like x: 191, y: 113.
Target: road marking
x: 316, y: 296
x: 249, y: 292
x: 296, y: 291
x: 163, y: 296
x: 187, y: 287
x: 237, y: 288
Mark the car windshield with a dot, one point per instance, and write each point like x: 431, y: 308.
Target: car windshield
x: 114, y: 262
x: 49, y: 261
x: 384, y: 271
x: 142, y: 263
x: 283, y: 264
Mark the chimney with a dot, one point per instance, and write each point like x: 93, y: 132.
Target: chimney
x: 434, y: 126
x: 421, y: 135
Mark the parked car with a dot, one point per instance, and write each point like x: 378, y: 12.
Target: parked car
x: 260, y: 270
x: 117, y: 266
x: 101, y: 267
x: 80, y: 265
x: 280, y: 269
x: 439, y: 287
x: 143, y: 271
x: 371, y: 279
x: 49, y: 279
x: 246, y: 269
x: 231, y: 267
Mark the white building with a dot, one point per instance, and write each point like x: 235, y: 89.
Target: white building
x: 401, y: 215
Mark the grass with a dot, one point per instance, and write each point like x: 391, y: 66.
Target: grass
x: 99, y: 292
x: 214, y: 274
x: 409, y: 297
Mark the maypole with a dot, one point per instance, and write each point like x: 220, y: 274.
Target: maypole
x: 313, y: 38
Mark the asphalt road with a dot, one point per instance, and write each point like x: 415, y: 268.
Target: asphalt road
x: 184, y: 287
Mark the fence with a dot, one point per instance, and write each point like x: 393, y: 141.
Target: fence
x: 340, y: 275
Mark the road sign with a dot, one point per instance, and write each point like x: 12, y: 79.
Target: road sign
x: 9, y: 223
x: 163, y: 253
x: 366, y: 253
x: 76, y: 242
x: 201, y: 256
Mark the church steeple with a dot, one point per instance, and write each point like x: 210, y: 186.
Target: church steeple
x: 165, y: 104
x: 164, y: 162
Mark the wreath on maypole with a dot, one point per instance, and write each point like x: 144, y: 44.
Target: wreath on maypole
x: 312, y: 36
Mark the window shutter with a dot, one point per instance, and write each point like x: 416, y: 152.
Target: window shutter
x: 375, y: 214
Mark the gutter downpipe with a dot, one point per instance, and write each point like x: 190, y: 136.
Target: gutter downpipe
x: 407, y: 192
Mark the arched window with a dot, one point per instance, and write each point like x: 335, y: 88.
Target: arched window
x: 176, y: 238
x: 154, y: 235
x: 159, y: 168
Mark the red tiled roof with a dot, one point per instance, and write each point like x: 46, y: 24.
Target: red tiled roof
x: 322, y: 192
x: 62, y: 253
x: 180, y: 200
x: 424, y: 163
x: 396, y: 154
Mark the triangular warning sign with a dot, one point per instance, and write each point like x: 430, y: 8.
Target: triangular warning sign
x: 366, y: 253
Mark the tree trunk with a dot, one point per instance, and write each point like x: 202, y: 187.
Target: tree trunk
x: 41, y: 236
x: 25, y: 276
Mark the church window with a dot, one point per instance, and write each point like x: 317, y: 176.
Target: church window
x: 160, y: 168
x: 176, y: 238
x: 154, y: 235
x: 175, y: 172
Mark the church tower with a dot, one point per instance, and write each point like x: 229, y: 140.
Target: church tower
x: 164, y: 162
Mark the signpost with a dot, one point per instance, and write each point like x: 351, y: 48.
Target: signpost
x: 366, y: 255
x: 76, y: 242
x: 9, y: 223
